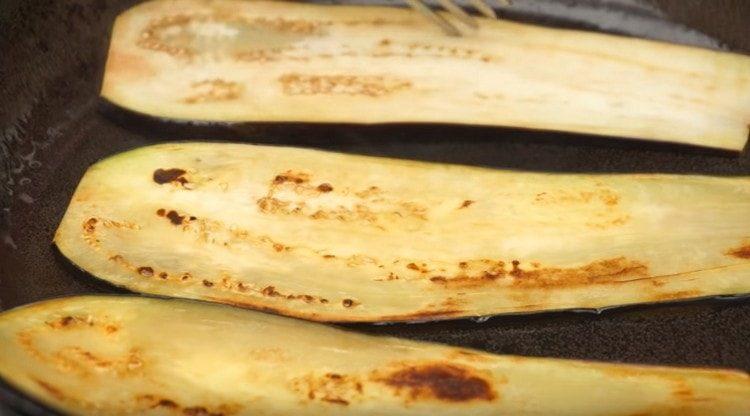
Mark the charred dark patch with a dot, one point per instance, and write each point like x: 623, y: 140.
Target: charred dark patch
x: 146, y: 271
x: 441, y: 381
x: 740, y: 252
x: 162, y: 176
x: 325, y: 187
x: 466, y: 204
x: 175, y: 218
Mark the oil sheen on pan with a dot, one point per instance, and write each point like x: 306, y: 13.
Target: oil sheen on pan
x: 139, y: 356
x: 233, y: 61
x: 335, y: 237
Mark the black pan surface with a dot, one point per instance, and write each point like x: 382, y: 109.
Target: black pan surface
x: 53, y: 126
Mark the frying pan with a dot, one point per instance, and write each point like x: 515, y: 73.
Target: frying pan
x: 53, y: 126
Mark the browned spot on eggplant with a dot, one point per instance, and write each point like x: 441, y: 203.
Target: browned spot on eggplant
x: 163, y: 275
x: 325, y: 187
x: 166, y: 403
x: 441, y: 381
x: 161, y: 212
x: 349, y: 303
x: 179, y: 35
x: 146, y: 271
x: 51, y: 390
x: 270, y: 291
x: 740, y: 252
x: 291, y: 177
x: 332, y: 388
x: 599, y: 272
x: 207, y: 283
x: 175, y: 218
x: 367, y: 85
x: 162, y: 176
x: 199, y: 411
x: 90, y: 225
x: 466, y: 204
x: 213, y: 90
x: 335, y: 401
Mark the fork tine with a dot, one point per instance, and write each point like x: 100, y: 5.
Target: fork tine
x: 484, y: 8
x: 447, y: 27
x: 457, y: 11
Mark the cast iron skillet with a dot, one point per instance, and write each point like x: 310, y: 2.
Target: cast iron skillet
x: 53, y: 125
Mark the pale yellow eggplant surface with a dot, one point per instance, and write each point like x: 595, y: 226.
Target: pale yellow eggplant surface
x: 281, y: 61
x: 335, y: 237
x: 110, y: 355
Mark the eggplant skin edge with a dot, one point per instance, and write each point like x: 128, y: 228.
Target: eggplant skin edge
x: 139, y: 355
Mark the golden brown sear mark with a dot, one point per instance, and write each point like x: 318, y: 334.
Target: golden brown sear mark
x: 466, y: 204
x: 151, y: 401
x: 365, y: 85
x: 333, y: 388
x: 598, y: 272
x: 742, y: 252
x: 369, y: 207
x: 439, y: 381
x: 177, y: 34
x: 173, y: 175
x: 213, y: 90
x: 604, y: 196
x: 51, y: 390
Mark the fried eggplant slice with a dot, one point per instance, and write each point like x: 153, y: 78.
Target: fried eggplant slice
x: 236, y: 61
x: 335, y: 237
x: 125, y: 355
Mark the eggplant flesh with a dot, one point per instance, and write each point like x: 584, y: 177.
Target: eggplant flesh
x: 237, y: 61
x: 124, y: 355
x: 335, y: 237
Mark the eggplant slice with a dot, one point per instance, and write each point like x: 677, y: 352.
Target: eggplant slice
x: 239, y: 61
x: 108, y: 355
x: 335, y: 237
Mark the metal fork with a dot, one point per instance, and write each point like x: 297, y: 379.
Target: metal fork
x: 456, y: 11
